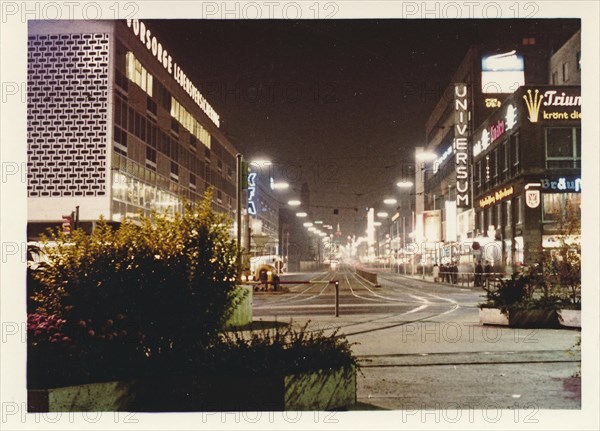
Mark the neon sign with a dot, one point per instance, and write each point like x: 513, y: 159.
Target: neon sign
x: 461, y: 115
x: 561, y: 185
x: 442, y: 159
x: 161, y: 54
x: 494, y: 132
x: 251, y: 193
x: 498, y: 196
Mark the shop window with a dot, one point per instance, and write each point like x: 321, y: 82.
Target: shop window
x: 499, y: 223
x: 565, y: 72
x: 508, y: 213
x: 554, y: 205
x: 563, y: 147
x: 518, y: 210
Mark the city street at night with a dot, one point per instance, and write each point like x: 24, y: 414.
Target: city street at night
x: 329, y: 209
x: 422, y: 347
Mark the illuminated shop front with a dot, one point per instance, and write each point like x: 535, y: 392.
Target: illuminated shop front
x: 527, y: 170
x: 116, y: 127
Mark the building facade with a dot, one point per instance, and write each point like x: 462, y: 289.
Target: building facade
x: 116, y: 128
x: 449, y: 187
x: 527, y: 172
x: 263, y: 210
x: 565, y: 64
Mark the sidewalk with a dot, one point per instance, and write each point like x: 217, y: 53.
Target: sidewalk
x: 429, y: 278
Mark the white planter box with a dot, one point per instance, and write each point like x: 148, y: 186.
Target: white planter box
x: 570, y: 318
x: 492, y: 316
x: 519, y: 318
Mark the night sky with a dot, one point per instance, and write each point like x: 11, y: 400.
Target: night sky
x: 332, y: 102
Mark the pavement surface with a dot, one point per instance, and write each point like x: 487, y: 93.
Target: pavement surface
x: 421, y: 346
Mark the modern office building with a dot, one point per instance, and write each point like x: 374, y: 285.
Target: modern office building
x: 116, y: 127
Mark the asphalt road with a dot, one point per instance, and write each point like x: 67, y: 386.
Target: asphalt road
x: 421, y: 346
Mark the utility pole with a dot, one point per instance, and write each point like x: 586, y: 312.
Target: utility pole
x: 239, y: 188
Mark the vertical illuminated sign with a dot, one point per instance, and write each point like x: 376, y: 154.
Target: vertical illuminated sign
x: 251, y: 193
x: 461, y: 150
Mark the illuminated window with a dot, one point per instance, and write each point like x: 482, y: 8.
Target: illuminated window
x: 188, y: 121
x: 554, y: 205
x: 138, y: 73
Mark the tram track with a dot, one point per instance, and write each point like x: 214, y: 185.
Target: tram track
x: 425, y: 303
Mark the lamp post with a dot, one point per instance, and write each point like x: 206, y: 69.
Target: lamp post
x: 239, y: 187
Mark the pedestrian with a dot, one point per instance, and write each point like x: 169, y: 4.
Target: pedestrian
x: 436, y: 272
x: 478, y: 274
x: 454, y: 273
x: 442, y: 273
x: 487, y: 273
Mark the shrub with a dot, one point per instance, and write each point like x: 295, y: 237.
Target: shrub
x: 553, y: 281
x: 278, y: 351
x: 141, y: 295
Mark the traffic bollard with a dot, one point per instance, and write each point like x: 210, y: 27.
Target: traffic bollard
x: 337, y: 299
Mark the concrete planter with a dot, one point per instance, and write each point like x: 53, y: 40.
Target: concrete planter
x: 242, y: 315
x: 569, y: 318
x: 322, y: 390
x: 492, y: 316
x: 519, y: 318
x: 107, y: 396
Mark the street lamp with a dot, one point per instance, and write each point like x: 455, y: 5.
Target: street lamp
x: 281, y: 185
x: 425, y: 156
x: 294, y: 203
x: 404, y: 184
x: 390, y: 201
